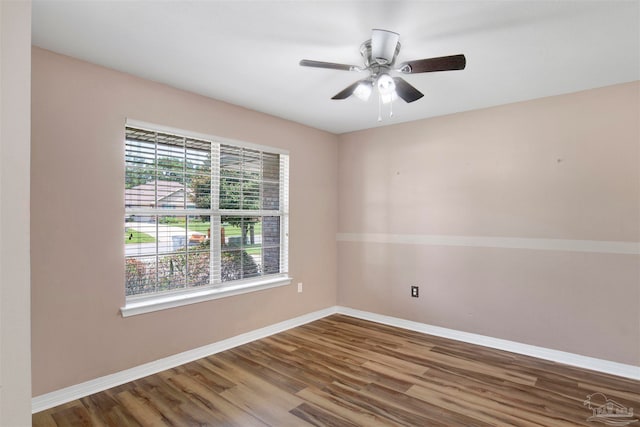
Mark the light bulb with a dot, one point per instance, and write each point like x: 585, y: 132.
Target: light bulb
x: 363, y: 90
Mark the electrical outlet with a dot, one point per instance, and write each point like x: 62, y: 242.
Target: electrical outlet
x: 299, y: 287
x: 414, y: 291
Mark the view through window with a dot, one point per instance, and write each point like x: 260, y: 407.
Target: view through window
x: 201, y: 213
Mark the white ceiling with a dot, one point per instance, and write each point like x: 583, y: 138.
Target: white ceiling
x: 247, y: 52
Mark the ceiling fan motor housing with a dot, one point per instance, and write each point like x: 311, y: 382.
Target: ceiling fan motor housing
x: 384, y: 46
x: 370, y: 61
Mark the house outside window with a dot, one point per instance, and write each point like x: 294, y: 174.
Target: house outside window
x: 202, y: 215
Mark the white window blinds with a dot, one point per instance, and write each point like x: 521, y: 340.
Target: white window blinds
x: 201, y: 212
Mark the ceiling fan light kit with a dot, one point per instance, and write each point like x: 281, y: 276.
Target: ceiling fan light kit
x: 379, y: 54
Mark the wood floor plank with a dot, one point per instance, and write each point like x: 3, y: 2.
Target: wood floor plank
x: 631, y: 396
x: 254, y: 395
x: 391, y: 377
x: 382, y: 407
x: 43, y: 419
x: 284, y: 369
x: 205, y: 376
x: 342, y: 408
x: 439, y: 396
x: 306, y: 339
x: 223, y: 411
x: 434, y: 413
x: 177, y: 408
x: 261, y: 406
x: 345, y: 363
x: 522, y: 399
x: 319, y: 417
x: 369, y: 353
x: 527, y: 398
x: 261, y: 365
x: 344, y: 371
x: 145, y: 414
x: 105, y: 410
x: 75, y: 416
x: 277, y: 342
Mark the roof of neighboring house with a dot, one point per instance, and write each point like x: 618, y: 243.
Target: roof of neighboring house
x: 146, y: 194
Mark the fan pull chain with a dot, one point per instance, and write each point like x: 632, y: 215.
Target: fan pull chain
x: 391, y: 109
x: 379, y: 107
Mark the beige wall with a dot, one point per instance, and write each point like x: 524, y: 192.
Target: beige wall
x: 15, y: 65
x: 565, y: 167
x: 78, y: 118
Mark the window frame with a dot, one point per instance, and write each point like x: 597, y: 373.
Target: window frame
x: 150, y: 302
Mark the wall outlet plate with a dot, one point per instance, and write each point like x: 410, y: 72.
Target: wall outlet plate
x: 414, y: 291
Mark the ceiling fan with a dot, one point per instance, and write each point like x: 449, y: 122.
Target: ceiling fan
x: 379, y: 54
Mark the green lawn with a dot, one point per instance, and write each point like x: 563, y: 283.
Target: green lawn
x: 253, y: 250
x: 203, y: 227
x: 132, y: 236
x: 230, y: 230
x: 250, y: 249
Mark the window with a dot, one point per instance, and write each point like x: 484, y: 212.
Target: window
x: 202, y: 217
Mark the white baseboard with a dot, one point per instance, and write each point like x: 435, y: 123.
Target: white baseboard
x: 572, y: 359
x: 58, y: 397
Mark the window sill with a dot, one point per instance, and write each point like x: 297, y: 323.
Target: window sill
x: 148, y: 304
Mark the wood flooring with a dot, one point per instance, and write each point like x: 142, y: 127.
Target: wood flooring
x: 342, y: 371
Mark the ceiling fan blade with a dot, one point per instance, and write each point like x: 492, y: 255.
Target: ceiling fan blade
x: 330, y: 65
x: 347, y: 92
x: 406, y: 91
x: 383, y: 46
x: 443, y: 63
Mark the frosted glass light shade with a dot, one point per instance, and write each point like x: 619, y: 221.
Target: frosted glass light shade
x: 386, y: 84
x: 363, y: 90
